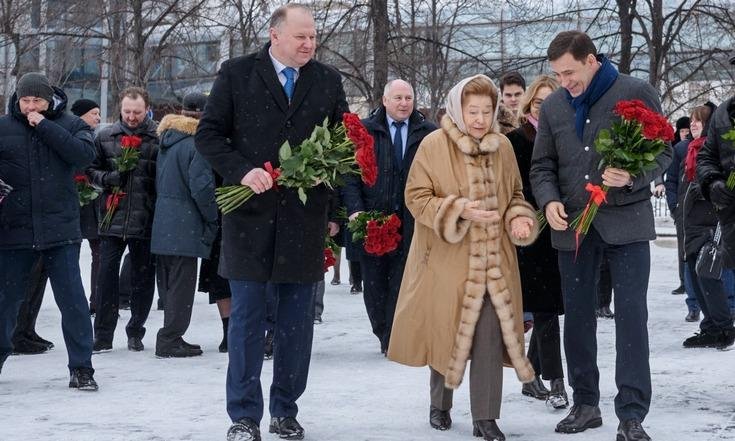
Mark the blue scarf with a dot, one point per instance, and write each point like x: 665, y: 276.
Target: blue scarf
x: 602, y: 81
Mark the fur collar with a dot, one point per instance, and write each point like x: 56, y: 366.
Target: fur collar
x: 466, y: 144
x: 184, y: 124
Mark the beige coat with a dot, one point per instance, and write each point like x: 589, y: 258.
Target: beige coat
x: 453, y: 262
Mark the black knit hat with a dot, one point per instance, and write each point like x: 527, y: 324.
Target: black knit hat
x: 35, y: 84
x: 82, y: 106
x: 682, y: 123
x: 195, y: 102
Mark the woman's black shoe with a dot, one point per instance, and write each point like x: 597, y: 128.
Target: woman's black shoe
x: 535, y: 389
x: 487, y: 430
x: 439, y: 419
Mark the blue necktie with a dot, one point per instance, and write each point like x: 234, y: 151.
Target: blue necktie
x: 288, y: 87
x: 398, y: 143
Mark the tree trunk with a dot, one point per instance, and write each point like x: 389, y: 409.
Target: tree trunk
x: 626, y: 14
x: 379, y: 10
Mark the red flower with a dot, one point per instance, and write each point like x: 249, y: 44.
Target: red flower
x: 364, y: 147
x: 655, y: 126
x: 365, y: 158
x: 130, y: 142
x: 113, y: 200
x: 329, y: 259
x: 81, y: 179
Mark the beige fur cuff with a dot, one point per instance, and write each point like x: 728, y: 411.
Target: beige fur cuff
x: 521, y: 208
x: 448, y: 224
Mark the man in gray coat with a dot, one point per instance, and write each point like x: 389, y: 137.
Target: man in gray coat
x: 564, y: 161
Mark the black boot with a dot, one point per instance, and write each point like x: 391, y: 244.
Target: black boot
x: 179, y: 350
x: 487, y: 430
x: 244, y: 429
x: 83, y: 379
x: 605, y: 312
x: 135, y: 344
x: 28, y: 347
x: 631, y: 430
x: 37, y: 338
x: 439, y: 419
x: 704, y: 340
x: 225, y: 325
x: 558, y: 395
x: 580, y: 418
x: 535, y: 389
x: 286, y: 428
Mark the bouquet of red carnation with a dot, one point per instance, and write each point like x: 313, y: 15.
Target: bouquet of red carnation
x: 378, y: 231
x: 323, y: 158
x: 330, y: 253
x: 730, y: 136
x: 631, y: 144
x: 87, y: 193
x: 128, y: 160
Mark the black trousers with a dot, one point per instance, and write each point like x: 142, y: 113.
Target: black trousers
x: 29, y: 309
x: 381, y: 283
x: 178, y: 276
x: 712, y: 298
x: 355, y: 272
x: 544, y: 347
x: 604, y: 284
x: 94, y: 245
x: 629, y: 268
x: 108, y: 285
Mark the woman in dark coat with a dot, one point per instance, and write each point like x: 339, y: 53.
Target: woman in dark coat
x: 700, y: 223
x: 540, y: 279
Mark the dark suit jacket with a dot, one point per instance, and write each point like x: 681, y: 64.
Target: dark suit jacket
x: 273, y: 237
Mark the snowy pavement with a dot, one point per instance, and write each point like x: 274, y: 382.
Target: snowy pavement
x: 353, y: 393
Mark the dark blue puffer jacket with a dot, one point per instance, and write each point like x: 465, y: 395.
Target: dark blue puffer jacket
x: 39, y: 163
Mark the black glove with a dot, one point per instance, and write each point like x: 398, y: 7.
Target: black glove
x: 112, y: 179
x: 720, y: 196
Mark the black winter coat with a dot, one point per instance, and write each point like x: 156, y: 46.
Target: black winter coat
x: 39, y: 163
x: 538, y: 263
x: 273, y: 237
x: 387, y: 193
x: 134, y: 216
x: 716, y: 160
x: 185, y: 219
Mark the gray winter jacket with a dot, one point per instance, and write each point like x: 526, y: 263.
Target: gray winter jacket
x: 562, y: 165
x: 185, y: 219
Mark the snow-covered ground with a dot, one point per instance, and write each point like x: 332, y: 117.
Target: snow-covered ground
x: 353, y: 393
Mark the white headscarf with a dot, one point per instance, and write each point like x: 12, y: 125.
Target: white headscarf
x: 454, y: 104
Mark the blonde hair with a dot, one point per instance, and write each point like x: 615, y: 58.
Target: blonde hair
x: 480, y: 86
x: 538, y: 83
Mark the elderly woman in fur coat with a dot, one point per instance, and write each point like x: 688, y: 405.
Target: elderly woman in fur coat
x: 460, y: 297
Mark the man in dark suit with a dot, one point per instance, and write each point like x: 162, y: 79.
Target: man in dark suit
x: 257, y: 102
x: 564, y: 161
x: 398, y: 130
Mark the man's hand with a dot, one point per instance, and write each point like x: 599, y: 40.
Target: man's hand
x: 520, y: 227
x: 474, y: 214
x: 332, y: 228
x: 659, y: 190
x: 34, y: 118
x: 556, y: 216
x: 258, y: 180
x: 720, y: 196
x: 615, y: 177
x: 354, y: 215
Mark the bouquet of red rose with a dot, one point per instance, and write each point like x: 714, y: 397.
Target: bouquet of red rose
x: 730, y: 136
x: 323, y: 158
x: 127, y: 161
x: 378, y: 231
x: 87, y: 193
x: 631, y: 144
x: 331, y: 250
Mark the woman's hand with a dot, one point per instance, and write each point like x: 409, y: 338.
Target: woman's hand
x: 520, y: 227
x: 474, y: 214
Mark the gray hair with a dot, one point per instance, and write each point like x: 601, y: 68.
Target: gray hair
x: 389, y: 84
x: 279, y: 15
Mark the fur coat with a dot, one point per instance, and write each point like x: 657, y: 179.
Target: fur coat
x: 453, y: 264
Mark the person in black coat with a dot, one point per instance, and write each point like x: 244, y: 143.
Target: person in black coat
x: 184, y: 223
x: 258, y: 102
x: 131, y: 224
x: 40, y: 148
x: 700, y: 223
x: 397, y: 129
x: 538, y: 265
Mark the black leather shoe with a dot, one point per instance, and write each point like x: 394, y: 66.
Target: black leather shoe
x: 286, y: 428
x: 692, y: 316
x: 487, y: 430
x: 703, y: 340
x: 28, y: 347
x: 580, y: 418
x: 135, y: 344
x: 268, y: 349
x: 83, y: 379
x: 244, y: 429
x: 439, y: 419
x: 678, y: 291
x: 38, y: 339
x: 177, y: 351
x: 535, y: 389
x: 190, y: 345
x: 558, y: 395
x: 605, y: 312
x: 101, y: 346
x: 631, y: 430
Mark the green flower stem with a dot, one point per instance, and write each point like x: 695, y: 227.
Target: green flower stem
x: 731, y: 181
